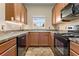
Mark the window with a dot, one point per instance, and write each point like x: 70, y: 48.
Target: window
x: 39, y: 21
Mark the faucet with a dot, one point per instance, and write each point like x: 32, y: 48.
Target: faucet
x: 2, y: 27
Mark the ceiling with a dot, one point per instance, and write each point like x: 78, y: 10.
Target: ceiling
x: 39, y: 4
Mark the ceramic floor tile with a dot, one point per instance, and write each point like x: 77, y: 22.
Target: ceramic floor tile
x: 39, y: 51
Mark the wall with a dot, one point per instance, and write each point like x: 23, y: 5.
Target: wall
x: 39, y: 10
x: 6, y: 25
x: 2, y: 13
x: 63, y: 26
x: 32, y: 10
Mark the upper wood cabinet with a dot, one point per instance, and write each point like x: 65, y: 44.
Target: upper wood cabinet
x: 15, y: 11
x: 56, y: 13
x: 23, y: 14
x: 53, y: 16
x: 9, y: 11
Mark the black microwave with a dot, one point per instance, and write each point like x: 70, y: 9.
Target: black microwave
x: 71, y: 11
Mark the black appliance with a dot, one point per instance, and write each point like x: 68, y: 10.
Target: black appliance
x: 70, y: 12
x: 62, y: 46
x: 21, y: 45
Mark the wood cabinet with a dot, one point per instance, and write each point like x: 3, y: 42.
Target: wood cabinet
x: 33, y: 38
x: 53, y: 16
x: 39, y: 39
x: 9, y: 11
x: 23, y: 14
x: 10, y: 52
x: 52, y: 40
x: 16, y: 12
x: 8, y: 48
x: 43, y: 39
x: 74, y: 49
x: 56, y: 12
x: 72, y: 53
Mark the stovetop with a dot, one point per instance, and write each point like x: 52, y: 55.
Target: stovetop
x: 70, y: 34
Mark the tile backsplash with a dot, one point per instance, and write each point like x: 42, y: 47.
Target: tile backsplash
x: 10, y: 26
x: 64, y: 25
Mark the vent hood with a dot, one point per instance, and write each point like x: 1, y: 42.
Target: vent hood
x: 70, y: 12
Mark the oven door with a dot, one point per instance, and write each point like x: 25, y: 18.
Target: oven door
x: 62, y: 46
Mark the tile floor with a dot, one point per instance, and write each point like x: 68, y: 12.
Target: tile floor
x: 39, y: 51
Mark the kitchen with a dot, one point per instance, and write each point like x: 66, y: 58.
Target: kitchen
x: 38, y: 29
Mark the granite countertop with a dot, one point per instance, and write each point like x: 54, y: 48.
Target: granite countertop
x: 11, y: 34
x: 76, y: 40
x: 8, y: 35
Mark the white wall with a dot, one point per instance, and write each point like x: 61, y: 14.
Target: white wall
x: 39, y: 10
x: 2, y: 14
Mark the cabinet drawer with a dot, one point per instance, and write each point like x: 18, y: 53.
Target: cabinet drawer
x: 75, y: 47
x: 10, y: 52
x: 6, y: 45
x: 72, y: 53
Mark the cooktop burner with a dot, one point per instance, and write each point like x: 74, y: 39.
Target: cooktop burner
x: 70, y: 34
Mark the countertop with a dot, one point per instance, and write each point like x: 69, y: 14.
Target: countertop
x: 12, y: 34
x: 8, y: 35
x: 76, y: 40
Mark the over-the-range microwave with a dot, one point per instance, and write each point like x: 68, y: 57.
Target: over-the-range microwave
x: 70, y: 12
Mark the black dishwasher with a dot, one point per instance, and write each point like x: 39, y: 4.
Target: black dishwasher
x: 21, y: 45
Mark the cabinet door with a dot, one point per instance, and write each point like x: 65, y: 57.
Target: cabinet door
x: 53, y: 16
x: 10, y: 52
x: 75, y: 47
x: 18, y: 12
x: 6, y: 45
x: 57, y: 12
x: 72, y: 53
x: 52, y: 40
x: 25, y: 15
x: 33, y: 38
x: 44, y: 39
x: 9, y: 11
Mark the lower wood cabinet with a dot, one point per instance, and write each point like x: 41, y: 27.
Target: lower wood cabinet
x: 10, y: 52
x: 52, y: 41
x: 33, y: 38
x: 39, y: 39
x: 8, y: 48
x: 43, y: 39
x: 72, y: 53
x: 74, y: 49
